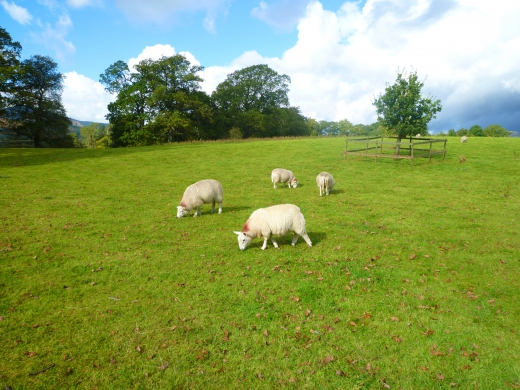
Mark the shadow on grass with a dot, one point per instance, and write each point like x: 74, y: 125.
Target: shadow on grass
x: 234, y: 209
x: 317, y: 237
x: 12, y: 157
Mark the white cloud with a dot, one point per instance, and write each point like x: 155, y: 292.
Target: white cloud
x: 282, y: 14
x: 54, y: 37
x: 168, y: 11
x: 20, y: 14
x: 84, y: 98
x: 467, y: 52
x: 83, y: 3
x: 156, y: 52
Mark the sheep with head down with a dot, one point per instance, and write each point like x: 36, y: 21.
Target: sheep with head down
x: 280, y: 175
x: 204, y: 191
x: 325, y: 182
x: 273, y: 221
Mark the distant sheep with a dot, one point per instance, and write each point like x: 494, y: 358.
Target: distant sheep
x: 273, y: 221
x: 463, y: 139
x: 418, y: 136
x: 279, y: 175
x: 204, y: 191
x: 325, y: 182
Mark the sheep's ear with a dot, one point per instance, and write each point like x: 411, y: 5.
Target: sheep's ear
x: 237, y: 233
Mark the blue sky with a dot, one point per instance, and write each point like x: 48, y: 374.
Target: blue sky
x: 339, y: 54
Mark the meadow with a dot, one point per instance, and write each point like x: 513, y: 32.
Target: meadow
x: 412, y: 281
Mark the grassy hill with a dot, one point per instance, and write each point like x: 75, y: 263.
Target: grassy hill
x: 412, y: 280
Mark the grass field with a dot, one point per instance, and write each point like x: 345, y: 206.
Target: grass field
x: 412, y: 281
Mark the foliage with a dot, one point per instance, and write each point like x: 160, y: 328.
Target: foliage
x: 235, y: 133
x: 496, y: 131
x: 461, y: 132
x: 103, y: 284
x: 36, y: 105
x: 255, y: 100
x: 9, y: 62
x: 159, y: 102
x: 476, y: 131
x: 403, y: 110
x: 94, y: 133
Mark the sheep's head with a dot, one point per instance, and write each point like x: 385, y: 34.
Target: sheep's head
x: 294, y: 183
x: 243, y: 240
x: 181, y: 211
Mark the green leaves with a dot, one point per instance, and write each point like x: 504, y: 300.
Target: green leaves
x: 402, y: 109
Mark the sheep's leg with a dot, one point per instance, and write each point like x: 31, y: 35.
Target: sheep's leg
x: 213, y: 207
x: 327, y: 191
x: 320, y: 191
x: 307, y: 239
x: 294, y: 239
x: 197, y: 212
x: 220, y: 208
x: 274, y: 243
x: 274, y: 184
x: 265, y: 243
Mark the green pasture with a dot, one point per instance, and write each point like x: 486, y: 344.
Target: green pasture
x: 413, y: 280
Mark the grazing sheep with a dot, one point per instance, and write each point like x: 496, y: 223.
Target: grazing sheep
x: 273, y: 221
x: 204, y: 191
x: 325, y: 182
x: 463, y: 139
x: 418, y: 136
x: 279, y: 175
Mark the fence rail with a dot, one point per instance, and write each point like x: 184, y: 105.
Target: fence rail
x: 412, y: 147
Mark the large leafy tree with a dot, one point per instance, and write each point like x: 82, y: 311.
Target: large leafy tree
x: 402, y: 110
x: 496, y: 131
x: 9, y: 62
x: 255, y: 101
x: 160, y: 102
x: 36, y: 106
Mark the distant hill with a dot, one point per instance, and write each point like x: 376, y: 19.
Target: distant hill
x: 77, y: 125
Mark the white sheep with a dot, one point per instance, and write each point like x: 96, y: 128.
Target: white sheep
x: 280, y: 175
x: 204, y: 191
x: 325, y: 182
x: 463, y: 139
x: 273, y: 221
x: 418, y: 136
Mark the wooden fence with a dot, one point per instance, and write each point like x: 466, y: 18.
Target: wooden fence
x: 391, y: 147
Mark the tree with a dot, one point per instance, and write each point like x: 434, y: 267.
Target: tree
x: 9, y: 62
x: 160, y: 102
x: 403, y: 110
x: 256, y: 87
x: 476, y: 131
x: 36, y: 104
x: 255, y: 100
x: 462, y: 132
x: 452, y: 133
x: 496, y: 131
x: 92, y: 134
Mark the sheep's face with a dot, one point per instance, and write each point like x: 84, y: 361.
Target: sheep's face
x: 243, y: 240
x: 181, y: 211
x: 294, y: 183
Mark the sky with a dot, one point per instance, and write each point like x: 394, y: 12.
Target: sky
x: 340, y: 55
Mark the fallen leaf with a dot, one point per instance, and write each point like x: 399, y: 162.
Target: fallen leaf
x: 440, y: 377
x: 163, y: 367
x: 394, y: 319
x: 260, y: 376
x: 397, y: 339
x: 307, y: 312
x: 226, y: 336
x: 295, y: 299
x: 266, y: 333
x: 30, y: 354
x: 428, y: 332
x: 327, y: 360
x: 139, y: 349
x: 412, y: 256
x: 352, y: 323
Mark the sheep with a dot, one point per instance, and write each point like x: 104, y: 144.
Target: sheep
x: 418, y: 136
x: 279, y: 175
x: 463, y: 139
x: 273, y: 221
x: 325, y: 182
x: 204, y: 191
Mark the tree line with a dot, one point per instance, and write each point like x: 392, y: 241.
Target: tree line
x: 161, y: 101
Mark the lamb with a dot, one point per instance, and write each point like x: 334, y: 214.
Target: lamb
x: 273, y: 221
x: 325, y: 182
x: 204, y: 191
x: 463, y: 139
x: 283, y: 176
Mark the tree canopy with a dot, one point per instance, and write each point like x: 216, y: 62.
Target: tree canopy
x: 36, y: 107
x: 402, y: 110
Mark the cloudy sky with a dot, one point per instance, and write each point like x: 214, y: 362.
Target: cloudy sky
x: 339, y: 54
